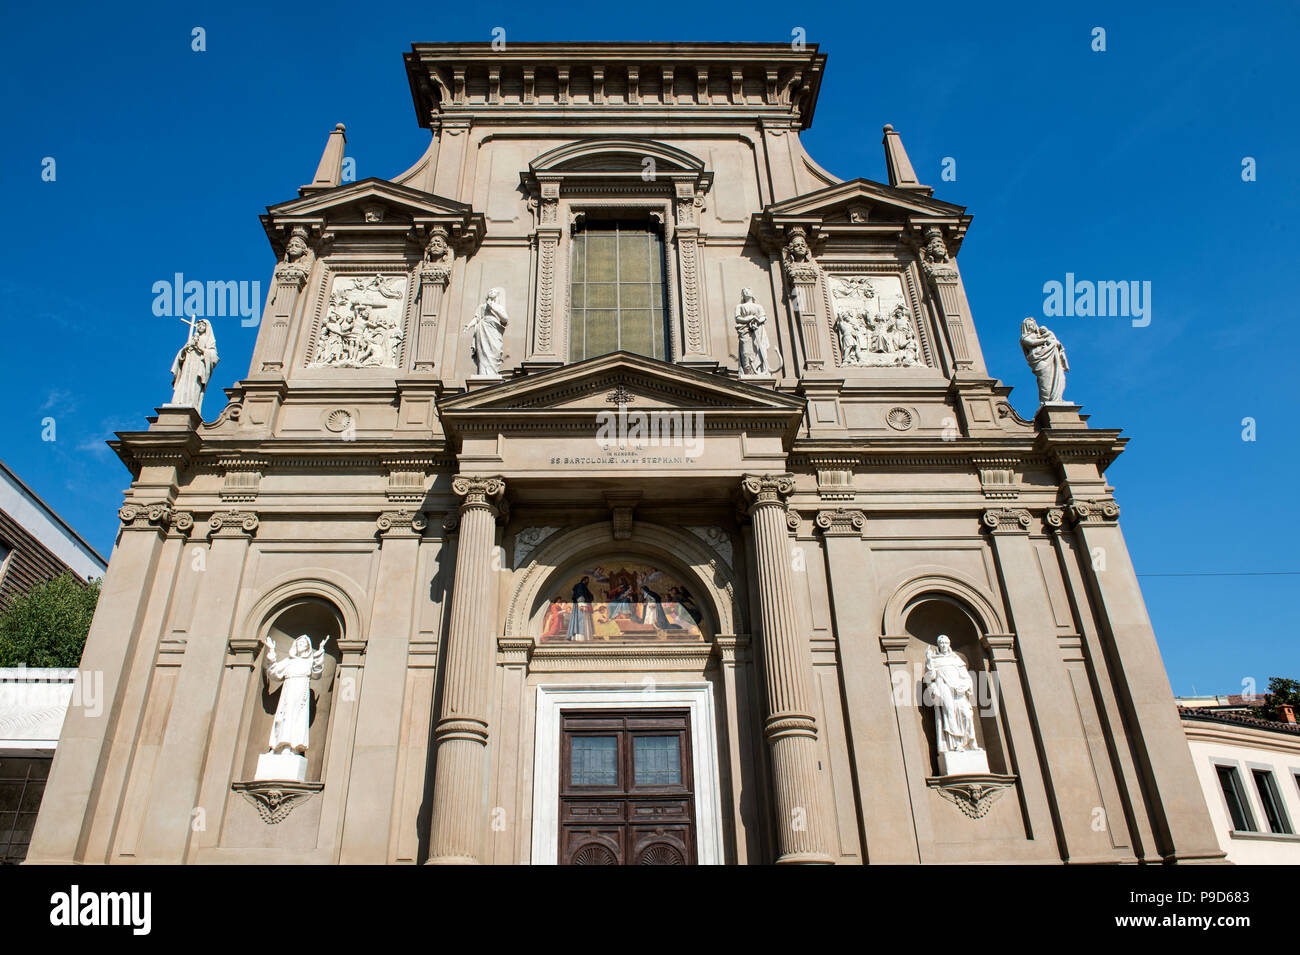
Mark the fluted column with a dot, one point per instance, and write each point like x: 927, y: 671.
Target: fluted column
x: 790, y: 728
x: 461, y: 733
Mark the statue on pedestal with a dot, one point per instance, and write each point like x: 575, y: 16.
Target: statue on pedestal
x: 952, y: 693
x: 192, y: 367
x: 1046, y: 356
x: 489, y: 328
x: 751, y: 332
x: 286, y: 755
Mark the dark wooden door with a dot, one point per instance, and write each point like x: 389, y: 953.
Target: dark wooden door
x: 627, y: 796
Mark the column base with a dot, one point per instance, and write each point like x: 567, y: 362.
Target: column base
x: 453, y: 860
x: 805, y: 858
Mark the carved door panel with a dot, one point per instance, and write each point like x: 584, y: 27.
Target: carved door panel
x: 627, y: 795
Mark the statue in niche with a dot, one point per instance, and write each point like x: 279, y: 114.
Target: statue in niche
x: 1046, y: 356
x: 952, y: 693
x: 751, y: 332
x: 286, y: 754
x: 489, y: 328
x: 362, y: 324
x: 193, y: 365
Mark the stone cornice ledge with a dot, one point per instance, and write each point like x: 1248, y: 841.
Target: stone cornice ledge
x: 604, y: 657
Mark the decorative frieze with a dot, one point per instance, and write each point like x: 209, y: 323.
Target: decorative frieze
x: 998, y: 477
x: 873, y: 325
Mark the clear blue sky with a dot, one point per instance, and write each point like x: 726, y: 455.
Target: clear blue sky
x: 1122, y: 165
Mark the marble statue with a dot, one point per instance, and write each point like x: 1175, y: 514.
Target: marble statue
x: 192, y: 366
x: 286, y: 755
x: 489, y: 328
x: 751, y: 331
x: 362, y: 327
x: 952, y: 692
x: 1046, y: 356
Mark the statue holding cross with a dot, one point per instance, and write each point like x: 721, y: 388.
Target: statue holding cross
x: 193, y: 365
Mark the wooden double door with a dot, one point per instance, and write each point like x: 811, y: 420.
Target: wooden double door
x: 627, y: 796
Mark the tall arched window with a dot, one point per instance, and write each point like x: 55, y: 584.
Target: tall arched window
x: 616, y: 289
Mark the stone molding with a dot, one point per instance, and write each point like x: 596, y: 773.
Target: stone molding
x: 275, y: 799
x: 1097, y: 510
x: 401, y: 523
x: 973, y: 794
x: 841, y: 522
x: 1006, y: 520
x: 233, y: 524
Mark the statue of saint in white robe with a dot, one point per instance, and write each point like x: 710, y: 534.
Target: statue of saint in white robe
x: 953, y: 693
x: 192, y: 368
x: 293, y: 713
x: 489, y: 328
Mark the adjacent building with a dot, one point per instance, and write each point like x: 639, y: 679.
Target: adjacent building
x: 617, y: 485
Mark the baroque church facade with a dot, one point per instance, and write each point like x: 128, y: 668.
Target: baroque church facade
x: 643, y: 497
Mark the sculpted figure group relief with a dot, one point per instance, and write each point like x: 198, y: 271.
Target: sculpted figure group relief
x: 873, y: 326
x: 363, y: 323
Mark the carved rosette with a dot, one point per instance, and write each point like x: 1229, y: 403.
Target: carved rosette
x: 274, y: 800
x: 1100, y: 510
x: 1006, y: 520
x: 401, y: 522
x: 841, y: 522
x: 233, y: 524
x: 147, y: 517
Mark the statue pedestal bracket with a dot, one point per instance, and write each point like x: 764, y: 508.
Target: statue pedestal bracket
x: 289, y: 767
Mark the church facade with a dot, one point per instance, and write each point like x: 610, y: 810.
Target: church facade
x: 643, y: 497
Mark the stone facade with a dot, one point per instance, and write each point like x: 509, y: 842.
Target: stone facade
x: 753, y: 567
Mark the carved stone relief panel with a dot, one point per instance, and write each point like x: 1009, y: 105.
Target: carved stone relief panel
x: 363, y: 323
x: 873, y: 324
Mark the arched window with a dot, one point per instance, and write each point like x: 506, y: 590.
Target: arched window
x: 616, y: 288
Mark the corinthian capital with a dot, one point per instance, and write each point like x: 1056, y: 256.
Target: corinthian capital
x: 758, y: 490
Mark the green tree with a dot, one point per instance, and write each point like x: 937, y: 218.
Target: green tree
x: 47, y: 627
x: 1281, y: 690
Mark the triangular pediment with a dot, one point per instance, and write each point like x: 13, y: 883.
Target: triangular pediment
x: 881, y: 201
x: 377, y: 204
x: 622, y: 379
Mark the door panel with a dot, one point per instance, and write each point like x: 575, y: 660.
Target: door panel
x: 627, y: 794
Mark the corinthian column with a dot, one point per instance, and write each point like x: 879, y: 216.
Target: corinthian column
x: 461, y: 733
x: 790, y: 728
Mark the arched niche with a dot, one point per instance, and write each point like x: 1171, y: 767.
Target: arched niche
x: 316, y: 618
x: 925, y: 617
x: 689, y: 560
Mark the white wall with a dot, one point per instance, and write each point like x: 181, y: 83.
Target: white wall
x: 1248, y: 748
x: 18, y: 502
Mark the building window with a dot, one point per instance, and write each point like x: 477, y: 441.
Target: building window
x: 616, y: 290
x: 1235, y: 794
x: 1271, y: 800
x: 22, y: 784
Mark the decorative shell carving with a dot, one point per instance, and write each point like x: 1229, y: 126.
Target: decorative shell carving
x: 338, y: 420
x: 900, y: 419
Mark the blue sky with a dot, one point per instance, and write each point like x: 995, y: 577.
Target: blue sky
x: 1116, y: 165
